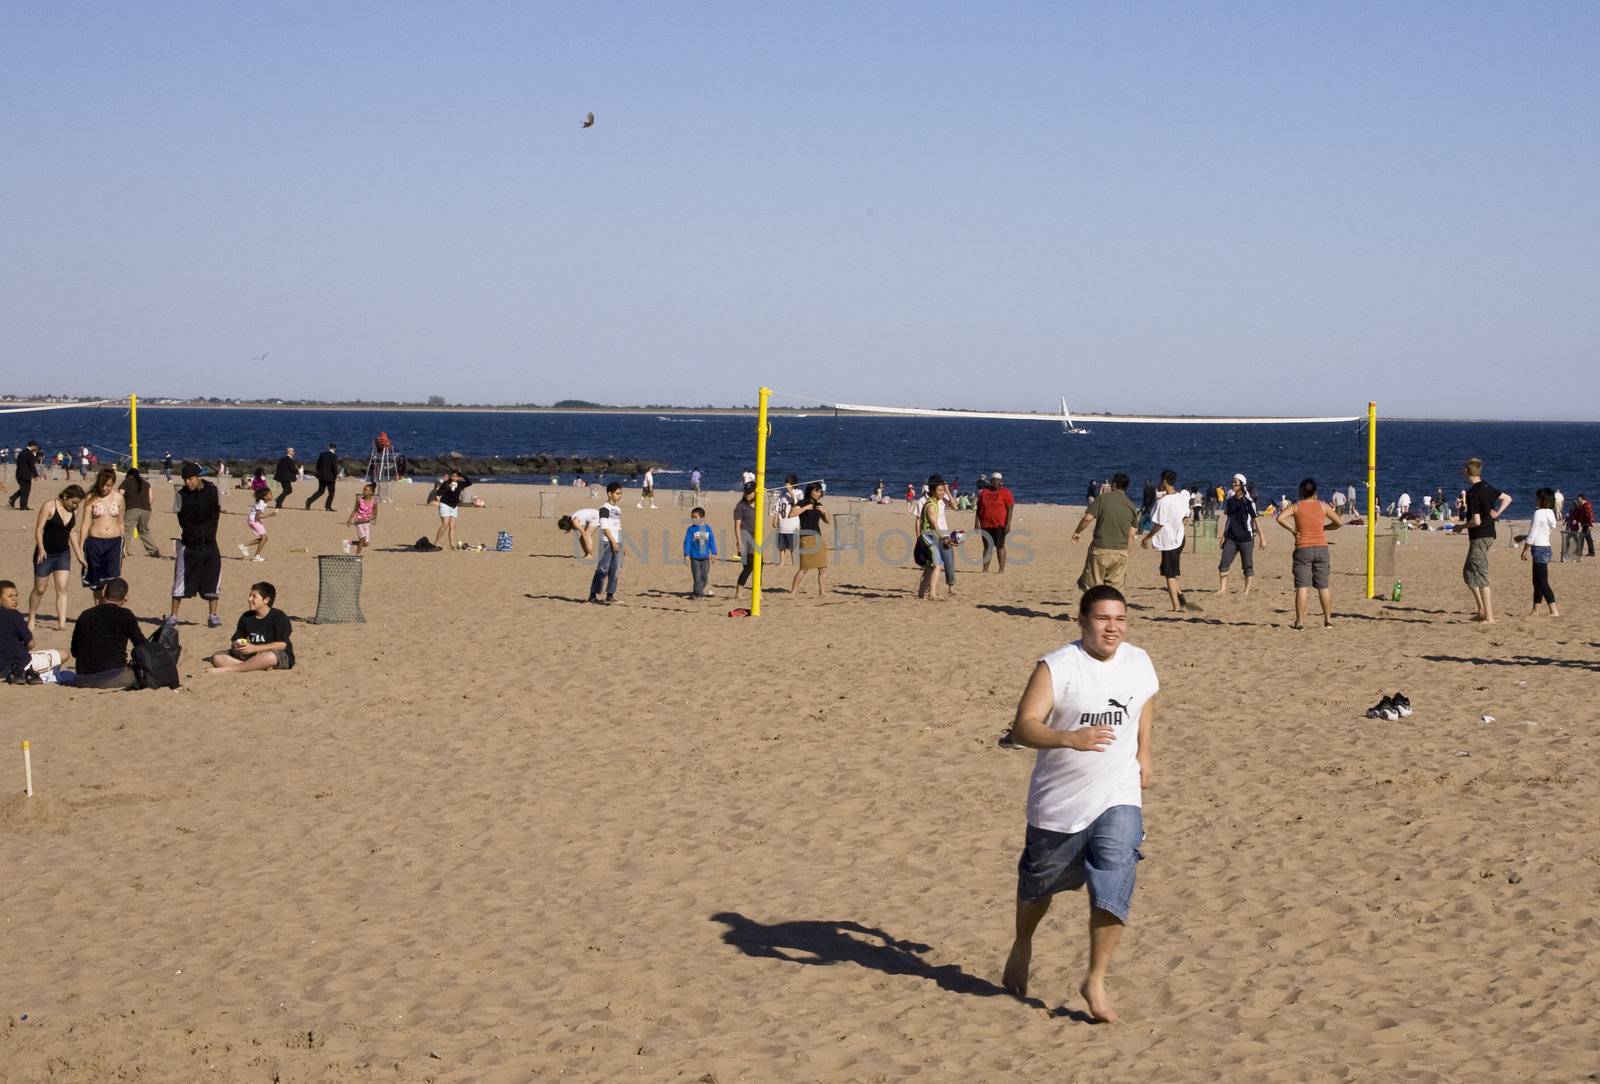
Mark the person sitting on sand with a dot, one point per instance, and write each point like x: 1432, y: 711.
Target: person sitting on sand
x: 584, y: 521
x: 100, y: 641
x: 19, y: 661
x: 1089, y: 710
x: 260, y: 639
x: 1308, y: 520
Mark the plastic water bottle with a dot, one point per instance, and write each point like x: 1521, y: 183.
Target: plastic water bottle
x: 1395, y: 594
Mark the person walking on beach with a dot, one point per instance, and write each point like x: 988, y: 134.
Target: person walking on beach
x: 100, y: 533
x: 1309, y: 520
x: 448, y: 497
x: 285, y: 473
x: 699, y: 548
x: 1147, y: 500
x: 254, y: 521
x: 166, y: 466
x: 1580, y: 521
x: 55, y: 539
x: 648, y: 493
x: 694, y: 483
x: 813, y: 547
x: 1168, y: 517
x: 1115, y: 521
x: 1484, y: 505
x: 326, y: 471
x: 1089, y: 710
x: 609, y: 565
x: 27, y: 471
x: 362, y: 517
x: 992, y: 515
x: 136, y: 513
x: 744, y: 533
x: 1241, y: 534
x: 936, y: 544
x: 198, y: 568
x: 1538, y: 546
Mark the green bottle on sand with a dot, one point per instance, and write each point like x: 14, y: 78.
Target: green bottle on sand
x: 1395, y: 595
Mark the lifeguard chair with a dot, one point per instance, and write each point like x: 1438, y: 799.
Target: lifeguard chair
x: 380, y: 465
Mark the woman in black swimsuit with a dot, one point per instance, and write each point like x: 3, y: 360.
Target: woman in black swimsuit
x: 55, y: 544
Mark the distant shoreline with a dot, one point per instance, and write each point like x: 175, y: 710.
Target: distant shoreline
x: 731, y: 412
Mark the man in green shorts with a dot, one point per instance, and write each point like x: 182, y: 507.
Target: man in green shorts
x: 1485, y: 504
x: 1115, y: 521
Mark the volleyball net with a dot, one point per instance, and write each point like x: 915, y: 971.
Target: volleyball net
x: 1073, y: 424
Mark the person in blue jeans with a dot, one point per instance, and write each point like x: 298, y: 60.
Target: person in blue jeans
x: 609, y: 563
x: 699, y: 547
x: 1537, y: 546
x: 1089, y: 709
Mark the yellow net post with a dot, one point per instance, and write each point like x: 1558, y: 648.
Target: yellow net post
x: 133, y: 430
x: 761, y: 498
x: 1372, y: 496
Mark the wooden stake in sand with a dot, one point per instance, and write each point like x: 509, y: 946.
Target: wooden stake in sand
x: 27, y: 769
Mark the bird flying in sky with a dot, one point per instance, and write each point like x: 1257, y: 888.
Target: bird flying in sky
x: 588, y: 122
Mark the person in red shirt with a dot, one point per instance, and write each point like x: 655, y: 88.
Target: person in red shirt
x: 1580, y: 521
x: 995, y: 507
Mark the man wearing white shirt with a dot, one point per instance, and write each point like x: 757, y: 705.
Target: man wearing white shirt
x: 1403, y: 506
x: 1089, y: 709
x: 1167, y: 521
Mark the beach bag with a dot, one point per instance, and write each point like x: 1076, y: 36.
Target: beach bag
x: 502, y: 542
x: 425, y: 545
x: 155, y: 662
x: 923, y: 554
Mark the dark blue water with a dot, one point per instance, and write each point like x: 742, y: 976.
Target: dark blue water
x: 853, y: 453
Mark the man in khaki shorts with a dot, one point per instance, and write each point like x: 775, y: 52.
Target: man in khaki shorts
x: 1485, y: 504
x: 1115, y: 522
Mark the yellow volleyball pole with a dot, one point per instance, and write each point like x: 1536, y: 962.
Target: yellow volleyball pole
x: 761, y: 498
x: 1372, y: 496
x: 133, y: 428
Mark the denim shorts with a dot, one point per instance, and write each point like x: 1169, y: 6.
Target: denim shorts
x: 53, y: 562
x: 1103, y: 856
x: 1541, y: 554
x: 787, y: 542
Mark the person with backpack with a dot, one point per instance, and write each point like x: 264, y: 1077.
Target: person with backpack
x: 100, y: 641
x: 261, y: 639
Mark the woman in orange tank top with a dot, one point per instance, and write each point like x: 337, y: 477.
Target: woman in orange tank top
x: 1309, y: 519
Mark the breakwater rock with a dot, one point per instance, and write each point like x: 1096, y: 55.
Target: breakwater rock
x: 490, y: 466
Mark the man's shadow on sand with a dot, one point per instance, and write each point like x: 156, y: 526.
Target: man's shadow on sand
x: 820, y: 943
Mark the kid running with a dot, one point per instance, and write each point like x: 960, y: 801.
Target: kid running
x: 258, y: 512
x: 362, y: 516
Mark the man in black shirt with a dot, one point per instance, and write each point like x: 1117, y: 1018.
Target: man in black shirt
x: 198, y: 569
x: 327, y: 471
x: 285, y: 474
x: 27, y: 471
x: 1485, y: 504
x: 101, y: 638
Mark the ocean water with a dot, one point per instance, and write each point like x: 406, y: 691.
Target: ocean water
x: 853, y: 453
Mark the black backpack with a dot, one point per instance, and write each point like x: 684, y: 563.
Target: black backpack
x: 155, y: 662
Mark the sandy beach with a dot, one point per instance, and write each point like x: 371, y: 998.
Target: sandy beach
x: 497, y: 835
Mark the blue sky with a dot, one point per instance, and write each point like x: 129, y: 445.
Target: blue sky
x: 1251, y: 207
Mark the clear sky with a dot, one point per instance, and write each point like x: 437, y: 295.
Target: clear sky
x: 1219, y: 207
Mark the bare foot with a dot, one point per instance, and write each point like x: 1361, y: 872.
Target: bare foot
x: 1327, y: 622
x: 1015, y: 978
x: 1094, y: 995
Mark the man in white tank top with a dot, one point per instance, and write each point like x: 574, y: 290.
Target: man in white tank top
x: 1089, y: 709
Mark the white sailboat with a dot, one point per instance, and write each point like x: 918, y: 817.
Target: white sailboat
x: 1067, y: 425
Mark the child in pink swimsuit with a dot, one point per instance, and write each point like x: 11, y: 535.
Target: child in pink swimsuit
x: 362, y: 516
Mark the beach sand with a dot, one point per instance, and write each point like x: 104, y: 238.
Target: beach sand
x: 494, y: 834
